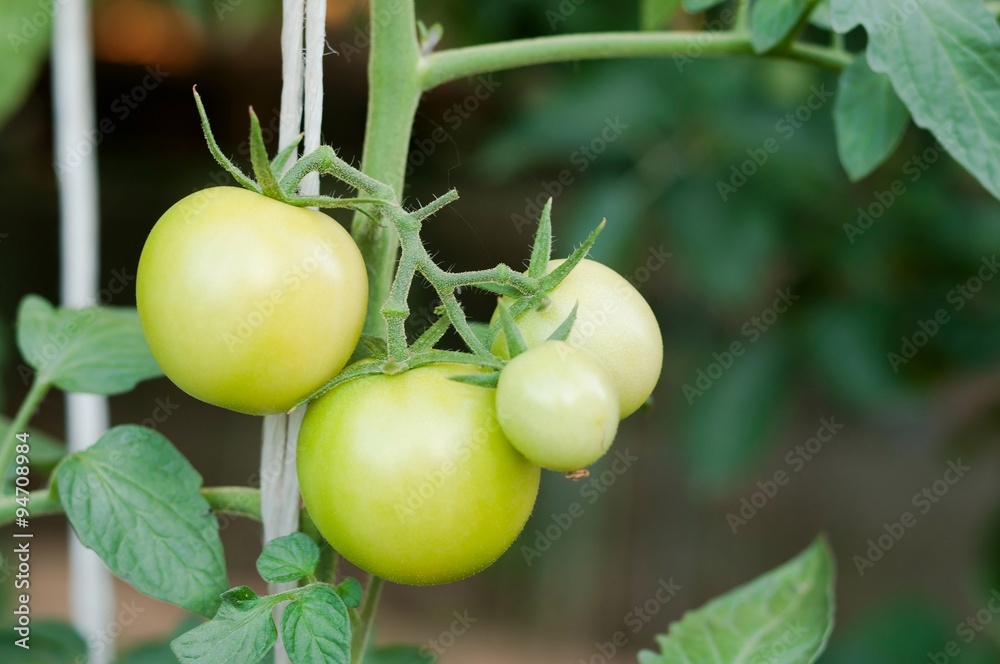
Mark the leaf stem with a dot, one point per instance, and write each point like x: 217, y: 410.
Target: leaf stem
x: 8, y: 441
x: 449, y: 65
x: 742, y: 22
x: 366, y: 619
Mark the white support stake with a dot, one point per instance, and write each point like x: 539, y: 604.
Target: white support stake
x: 75, y: 160
x: 279, y: 483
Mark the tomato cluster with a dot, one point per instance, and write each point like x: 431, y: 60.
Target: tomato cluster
x: 254, y: 305
x: 422, y: 479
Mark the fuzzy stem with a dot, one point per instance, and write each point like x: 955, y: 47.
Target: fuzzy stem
x: 453, y: 64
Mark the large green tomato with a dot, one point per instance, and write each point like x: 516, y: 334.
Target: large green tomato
x: 248, y: 303
x: 613, y: 323
x: 410, y: 478
x: 558, y: 406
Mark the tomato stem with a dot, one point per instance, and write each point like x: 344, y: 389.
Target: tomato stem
x: 8, y: 442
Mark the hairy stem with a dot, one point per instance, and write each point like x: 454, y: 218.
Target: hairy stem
x: 459, y: 63
x: 8, y: 441
x: 394, y: 90
x: 362, y: 629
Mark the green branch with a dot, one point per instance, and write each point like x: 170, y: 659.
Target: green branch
x: 8, y: 440
x: 394, y: 90
x: 237, y: 500
x: 365, y: 620
x: 457, y: 63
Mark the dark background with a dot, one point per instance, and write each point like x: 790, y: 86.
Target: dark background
x: 682, y: 130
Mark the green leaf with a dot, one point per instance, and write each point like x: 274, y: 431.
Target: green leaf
x: 654, y: 14
x: 730, y: 423
x: 398, y: 655
x: 869, y: 117
x: 134, y: 499
x: 26, y: 45
x: 288, y: 558
x: 315, y: 627
x: 943, y: 57
x: 52, y: 642
x: 242, y: 631
x: 541, y: 250
x: 695, y: 6
x: 350, y: 591
x: 774, y: 21
x: 561, y: 333
x: 99, y: 350
x: 515, y: 341
x: 782, y: 617
x: 820, y: 16
x: 44, y: 450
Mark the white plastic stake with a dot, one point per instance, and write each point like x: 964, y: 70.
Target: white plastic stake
x: 75, y: 159
x: 279, y: 483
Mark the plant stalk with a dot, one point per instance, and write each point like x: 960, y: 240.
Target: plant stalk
x: 8, y: 443
x: 453, y: 64
x: 394, y: 91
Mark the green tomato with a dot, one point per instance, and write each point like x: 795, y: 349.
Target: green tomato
x: 248, y: 303
x: 410, y: 477
x: 613, y: 323
x: 558, y: 406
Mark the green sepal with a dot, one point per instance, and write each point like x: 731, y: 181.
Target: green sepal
x: 554, y: 278
x: 479, y: 380
x: 216, y: 151
x: 515, y: 342
x: 281, y: 159
x: 431, y: 335
x: 561, y: 333
x: 376, y: 346
x: 541, y: 251
x: 261, y: 165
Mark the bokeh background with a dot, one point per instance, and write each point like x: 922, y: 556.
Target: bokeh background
x: 645, y: 144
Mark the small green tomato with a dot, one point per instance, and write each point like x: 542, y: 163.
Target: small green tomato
x: 614, y: 323
x: 558, y: 406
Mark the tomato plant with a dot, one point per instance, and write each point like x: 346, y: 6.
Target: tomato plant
x: 431, y: 493
x: 249, y: 303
